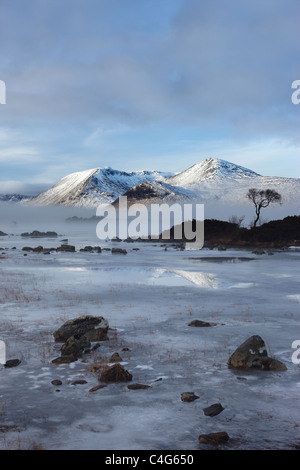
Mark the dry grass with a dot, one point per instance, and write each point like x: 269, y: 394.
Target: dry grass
x: 46, y: 345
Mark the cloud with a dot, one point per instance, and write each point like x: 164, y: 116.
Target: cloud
x: 19, y: 187
x: 82, y: 77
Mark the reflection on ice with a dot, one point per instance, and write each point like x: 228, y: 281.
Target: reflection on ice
x: 176, y: 277
x: 199, y: 279
x: 154, y: 276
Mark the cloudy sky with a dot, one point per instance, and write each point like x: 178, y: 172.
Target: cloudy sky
x: 146, y: 84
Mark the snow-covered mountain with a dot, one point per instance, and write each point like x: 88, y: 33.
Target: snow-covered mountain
x: 91, y: 187
x: 210, y: 180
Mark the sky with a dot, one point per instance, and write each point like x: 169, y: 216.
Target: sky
x: 146, y: 84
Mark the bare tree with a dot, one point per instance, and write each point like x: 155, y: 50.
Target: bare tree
x: 262, y: 198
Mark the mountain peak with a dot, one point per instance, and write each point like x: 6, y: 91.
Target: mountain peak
x: 211, y: 169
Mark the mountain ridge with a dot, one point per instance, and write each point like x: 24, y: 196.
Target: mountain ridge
x: 209, y: 180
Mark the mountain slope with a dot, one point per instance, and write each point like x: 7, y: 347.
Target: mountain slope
x: 66, y: 191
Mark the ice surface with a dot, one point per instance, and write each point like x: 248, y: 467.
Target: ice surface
x: 149, y: 297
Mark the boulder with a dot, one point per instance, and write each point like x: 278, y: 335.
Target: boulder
x: 213, y: 410
x: 115, y: 373
x: 115, y: 358
x: 79, y: 382
x: 118, y: 251
x: 38, y: 249
x: 66, y: 248
x: 56, y: 382
x: 97, y: 387
x: 252, y: 354
x: 12, y: 363
x: 188, y: 397
x: 91, y: 249
x: 200, y: 323
x: 138, y: 387
x: 38, y: 234
x: 75, y: 345
x: 214, y: 438
x: 94, y: 329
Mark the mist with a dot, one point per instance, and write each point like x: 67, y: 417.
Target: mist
x: 16, y: 218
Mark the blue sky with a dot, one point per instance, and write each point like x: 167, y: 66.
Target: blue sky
x: 146, y: 84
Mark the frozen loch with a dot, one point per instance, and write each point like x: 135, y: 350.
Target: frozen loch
x: 150, y: 297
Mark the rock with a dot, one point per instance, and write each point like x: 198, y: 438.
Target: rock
x: 79, y: 382
x: 88, y: 249
x: 252, y: 354
x: 12, y: 363
x: 66, y: 248
x: 38, y: 249
x: 94, y: 328
x: 200, y: 323
x: 115, y: 358
x: 138, y: 387
x: 64, y: 360
x: 56, y: 382
x: 91, y: 249
x: 3, y: 234
x: 119, y: 250
x: 213, y: 410
x: 189, y: 397
x: 115, y: 373
x: 27, y: 248
x: 37, y: 234
x: 214, y: 438
x: 97, y: 387
x: 75, y: 345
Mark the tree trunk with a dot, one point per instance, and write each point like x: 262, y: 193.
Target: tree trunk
x: 257, y: 217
